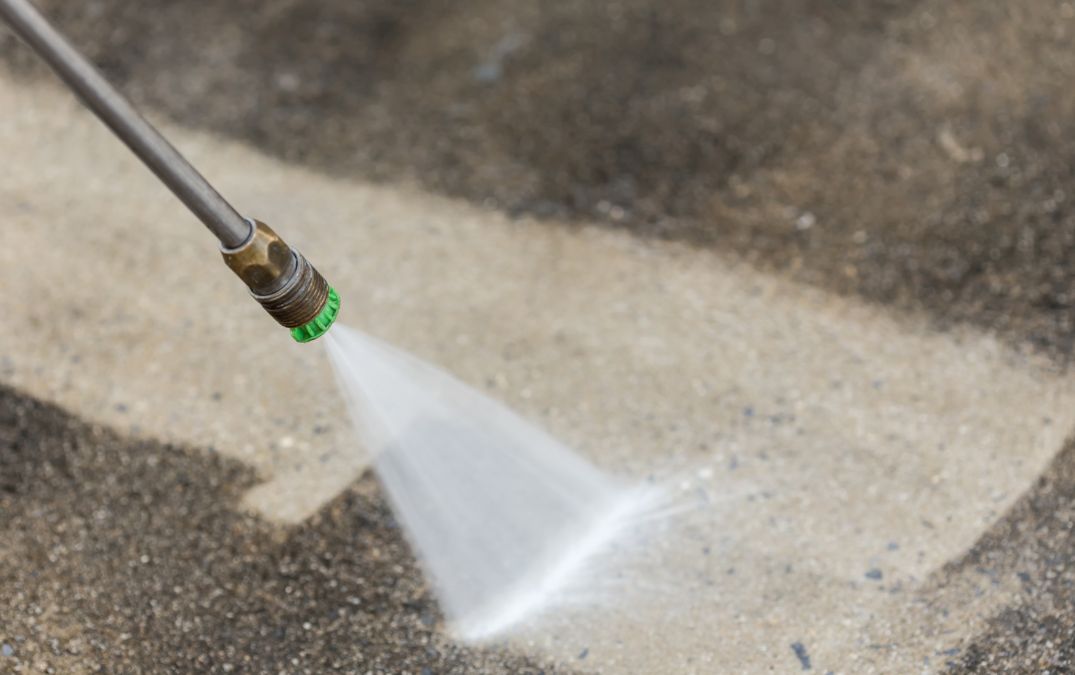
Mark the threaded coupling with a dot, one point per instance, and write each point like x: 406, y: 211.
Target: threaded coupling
x: 290, y: 289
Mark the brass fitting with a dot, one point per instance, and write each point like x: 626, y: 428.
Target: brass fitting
x: 279, y: 278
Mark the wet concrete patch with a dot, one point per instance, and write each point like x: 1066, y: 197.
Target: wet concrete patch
x: 121, y: 556
x: 1030, y: 546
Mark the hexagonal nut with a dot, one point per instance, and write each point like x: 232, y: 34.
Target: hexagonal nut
x: 262, y: 261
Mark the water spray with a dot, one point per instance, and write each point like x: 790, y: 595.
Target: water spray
x: 286, y: 285
x: 499, y: 513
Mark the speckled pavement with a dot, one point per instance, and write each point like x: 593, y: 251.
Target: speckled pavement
x: 856, y: 472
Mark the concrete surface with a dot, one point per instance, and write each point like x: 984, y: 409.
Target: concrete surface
x: 915, y: 152
x: 124, y: 556
x: 858, y: 467
x: 822, y: 430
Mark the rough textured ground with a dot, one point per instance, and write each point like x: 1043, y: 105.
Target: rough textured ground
x: 1034, y: 544
x: 816, y: 430
x: 124, y: 556
x: 917, y: 154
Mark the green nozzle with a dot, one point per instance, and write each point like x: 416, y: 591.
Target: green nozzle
x: 320, y: 324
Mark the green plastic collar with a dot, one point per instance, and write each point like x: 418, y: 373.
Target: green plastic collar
x: 320, y: 323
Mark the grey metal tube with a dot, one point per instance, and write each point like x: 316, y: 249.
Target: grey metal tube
x: 113, y: 109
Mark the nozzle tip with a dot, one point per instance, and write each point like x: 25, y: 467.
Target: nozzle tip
x: 284, y: 283
x: 320, y: 324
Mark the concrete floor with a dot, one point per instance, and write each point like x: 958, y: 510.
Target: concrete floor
x: 842, y: 454
x: 868, y: 486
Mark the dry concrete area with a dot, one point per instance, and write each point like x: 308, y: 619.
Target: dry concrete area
x: 824, y: 302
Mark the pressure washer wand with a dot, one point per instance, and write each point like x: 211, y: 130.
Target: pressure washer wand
x: 286, y: 285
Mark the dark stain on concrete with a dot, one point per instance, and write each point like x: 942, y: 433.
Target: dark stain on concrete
x: 799, y: 649
x: 130, y: 556
x: 915, y: 153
